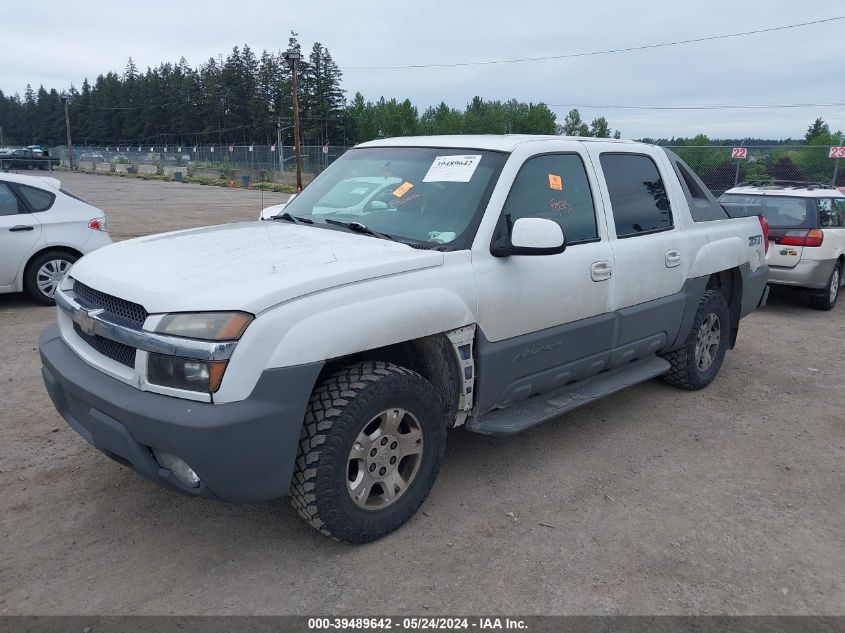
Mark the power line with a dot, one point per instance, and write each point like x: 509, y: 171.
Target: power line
x: 714, y: 106
x: 610, y: 51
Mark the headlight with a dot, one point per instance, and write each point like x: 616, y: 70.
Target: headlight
x: 185, y: 373
x: 208, y: 326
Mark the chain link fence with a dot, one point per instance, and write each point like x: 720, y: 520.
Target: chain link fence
x: 276, y: 163
x: 272, y: 163
x: 802, y: 163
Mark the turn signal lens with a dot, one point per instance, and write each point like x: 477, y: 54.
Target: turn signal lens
x: 813, y: 237
x: 208, y: 326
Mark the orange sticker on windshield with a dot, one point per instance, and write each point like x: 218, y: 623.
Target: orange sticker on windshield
x: 402, y: 189
x: 555, y: 182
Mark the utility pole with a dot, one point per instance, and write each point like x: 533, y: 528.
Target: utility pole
x: 2, y: 144
x: 281, y: 152
x: 67, y: 126
x: 291, y: 57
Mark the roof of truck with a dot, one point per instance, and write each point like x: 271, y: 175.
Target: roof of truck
x: 495, y: 142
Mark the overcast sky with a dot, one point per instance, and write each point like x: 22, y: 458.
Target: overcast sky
x: 56, y: 42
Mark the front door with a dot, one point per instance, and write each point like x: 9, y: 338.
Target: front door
x: 19, y: 233
x: 545, y: 320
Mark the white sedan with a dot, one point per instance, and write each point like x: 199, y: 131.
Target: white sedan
x: 43, y: 230
x: 360, y: 191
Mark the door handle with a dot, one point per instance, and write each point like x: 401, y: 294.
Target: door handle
x: 673, y: 258
x: 21, y: 227
x: 601, y: 271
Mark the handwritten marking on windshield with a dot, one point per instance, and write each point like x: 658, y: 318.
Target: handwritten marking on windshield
x: 401, y: 201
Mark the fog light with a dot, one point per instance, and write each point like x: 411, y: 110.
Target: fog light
x: 178, y: 467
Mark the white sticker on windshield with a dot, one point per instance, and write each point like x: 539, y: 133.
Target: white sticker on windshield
x: 360, y: 191
x: 452, y: 168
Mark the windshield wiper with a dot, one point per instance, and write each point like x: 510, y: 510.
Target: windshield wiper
x: 357, y: 227
x: 287, y: 217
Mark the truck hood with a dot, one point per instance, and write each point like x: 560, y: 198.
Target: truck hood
x: 248, y: 266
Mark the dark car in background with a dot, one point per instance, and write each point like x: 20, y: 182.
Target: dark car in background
x: 27, y: 159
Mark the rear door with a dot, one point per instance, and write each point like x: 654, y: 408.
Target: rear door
x: 20, y: 232
x: 651, y: 257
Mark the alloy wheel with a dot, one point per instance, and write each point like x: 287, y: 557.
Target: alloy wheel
x: 707, y: 344
x: 385, y: 459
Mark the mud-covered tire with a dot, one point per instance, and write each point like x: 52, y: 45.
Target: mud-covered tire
x: 686, y: 371
x: 826, y: 299
x: 341, y: 408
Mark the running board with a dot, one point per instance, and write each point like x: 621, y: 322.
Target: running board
x: 533, y: 411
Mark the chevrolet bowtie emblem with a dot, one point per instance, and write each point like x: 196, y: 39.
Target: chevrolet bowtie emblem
x: 84, y: 319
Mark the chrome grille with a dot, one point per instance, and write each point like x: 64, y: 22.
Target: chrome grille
x: 123, y: 354
x: 116, y: 310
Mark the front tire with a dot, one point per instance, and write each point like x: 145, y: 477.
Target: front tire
x: 826, y: 299
x: 370, y: 450
x: 45, y: 272
x: 695, y: 365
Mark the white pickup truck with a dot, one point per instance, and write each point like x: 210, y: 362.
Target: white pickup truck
x: 494, y: 283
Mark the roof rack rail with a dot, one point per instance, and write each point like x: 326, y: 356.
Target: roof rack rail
x: 809, y: 184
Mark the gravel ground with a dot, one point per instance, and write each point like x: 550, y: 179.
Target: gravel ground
x: 653, y: 501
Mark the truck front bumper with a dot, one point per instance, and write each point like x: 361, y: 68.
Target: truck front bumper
x: 807, y: 273
x: 242, y: 451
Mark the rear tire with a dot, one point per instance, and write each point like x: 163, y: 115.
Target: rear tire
x: 44, y: 273
x: 370, y: 449
x: 695, y: 365
x: 826, y: 299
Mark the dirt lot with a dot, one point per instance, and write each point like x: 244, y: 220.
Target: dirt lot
x: 730, y: 500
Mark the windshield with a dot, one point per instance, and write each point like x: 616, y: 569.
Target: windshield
x: 781, y: 211
x: 427, y: 196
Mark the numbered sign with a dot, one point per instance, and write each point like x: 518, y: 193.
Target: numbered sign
x: 837, y: 152
x: 325, y: 149
x: 739, y: 152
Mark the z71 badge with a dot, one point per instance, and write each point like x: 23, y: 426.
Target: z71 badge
x: 755, y: 239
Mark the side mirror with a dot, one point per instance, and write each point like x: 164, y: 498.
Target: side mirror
x: 531, y: 236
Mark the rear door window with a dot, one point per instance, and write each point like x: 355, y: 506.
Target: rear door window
x: 829, y: 215
x: 637, y: 194
x: 9, y: 204
x: 839, y: 206
x: 37, y: 199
